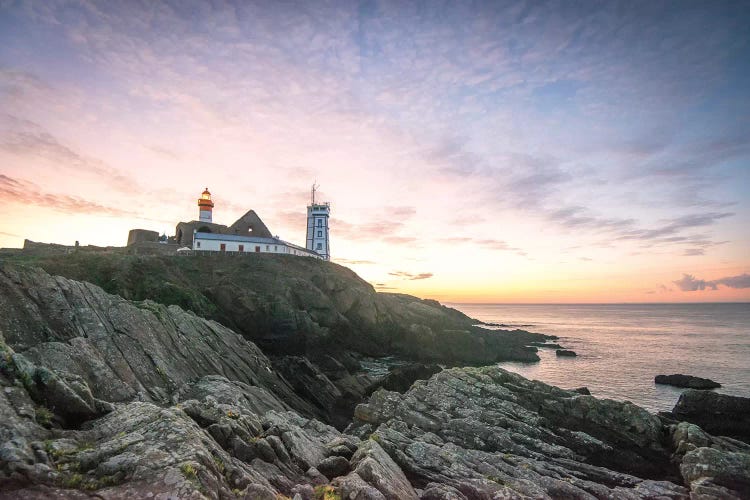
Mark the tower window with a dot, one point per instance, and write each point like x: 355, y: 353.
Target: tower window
x: 319, y: 246
x: 320, y: 222
x: 320, y: 234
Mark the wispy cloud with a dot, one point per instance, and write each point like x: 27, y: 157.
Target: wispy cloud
x: 25, y: 192
x: 411, y: 276
x: 26, y: 138
x: 360, y: 262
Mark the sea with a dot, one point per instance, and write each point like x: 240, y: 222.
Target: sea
x: 622, y: 347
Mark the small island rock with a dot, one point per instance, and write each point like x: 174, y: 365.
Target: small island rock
x: 566, y: 353
x: 688, y: 381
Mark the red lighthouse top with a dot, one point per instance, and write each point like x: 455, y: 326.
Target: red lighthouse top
x: 205, y: 200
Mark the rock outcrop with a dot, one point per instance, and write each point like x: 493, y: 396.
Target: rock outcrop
x: 288, y: 305
x: 719, y: 414
x: 122, y: 350
x: 102, y: 397
x: 687, y: 381
x: 488, y: 433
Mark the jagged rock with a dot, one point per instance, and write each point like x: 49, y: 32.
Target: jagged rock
x: 309, y: 382
x: 252, y: 399
x: 121, y: 350
x: 334, y: 466
x: 488, y: 432
x: 437, y: 491
x: 687, y: 381
x: 353, y: 487
x: 718, y: 414
x: 717, y: 470
x: 400, y: 378
x: 583, y: 390
x: 378, y: 469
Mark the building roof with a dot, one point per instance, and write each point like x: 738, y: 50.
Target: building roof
x: 236, y: 237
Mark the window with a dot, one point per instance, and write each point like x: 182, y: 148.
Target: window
x: 197, y: 244
x: 319, y: 246
x: 268, y: 247
x: 241, y: 248
x: 257, y: 249
x: 275, y: 248
x: 223, y: 247
x: 320, y: 234
x: 320, y: 222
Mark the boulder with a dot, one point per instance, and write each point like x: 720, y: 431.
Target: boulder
x: 718, y: 414
x: 718, y: 470
x: 687, y: 381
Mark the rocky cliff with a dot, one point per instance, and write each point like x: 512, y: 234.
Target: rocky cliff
x: 106, y: 397
x: 289, y: 305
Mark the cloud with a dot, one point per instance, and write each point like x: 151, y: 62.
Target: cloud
x: 410, y: 276
x: 24, y: 192
x: 739, y: 281
x: 689, y: 252
x: 500, y: 245
x: 689, y: 283
x: 384, y: 229
x: 354, y: 261
x: 26, y: 138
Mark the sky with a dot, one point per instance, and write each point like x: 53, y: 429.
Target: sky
x: 571, y: 151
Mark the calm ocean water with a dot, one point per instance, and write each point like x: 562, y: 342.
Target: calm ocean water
x: 622, y: 347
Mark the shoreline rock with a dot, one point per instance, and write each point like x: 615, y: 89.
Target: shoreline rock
x: 718, y: 414
x: 566, y: 353
x: 686, y: 381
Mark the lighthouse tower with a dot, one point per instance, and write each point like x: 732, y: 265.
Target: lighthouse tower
x: 205, y: 206
x: 317, y: 227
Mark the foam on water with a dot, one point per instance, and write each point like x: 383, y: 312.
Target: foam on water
x: 622, y: 347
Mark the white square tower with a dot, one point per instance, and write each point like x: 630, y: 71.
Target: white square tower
x: 317, y: 227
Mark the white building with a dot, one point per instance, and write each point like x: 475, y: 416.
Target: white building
x: 317, y: 227
x: 250, y: 235
x: 247, y: 244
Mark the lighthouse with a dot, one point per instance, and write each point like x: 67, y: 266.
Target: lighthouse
x: 205, y: 206
x: 317, y: 226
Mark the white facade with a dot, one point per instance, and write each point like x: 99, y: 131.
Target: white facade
x: 317, y: 229
x: 204, y: 215
x: 210, y: 242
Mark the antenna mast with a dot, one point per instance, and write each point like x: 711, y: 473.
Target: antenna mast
x: 314, y: 187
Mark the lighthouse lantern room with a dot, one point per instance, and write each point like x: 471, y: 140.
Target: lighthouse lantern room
x: 205, y: 206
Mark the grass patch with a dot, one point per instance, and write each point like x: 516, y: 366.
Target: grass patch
x: 326, y: 492
x: 43, y: 416
x: 189, y: 471
x: 73, y: 481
